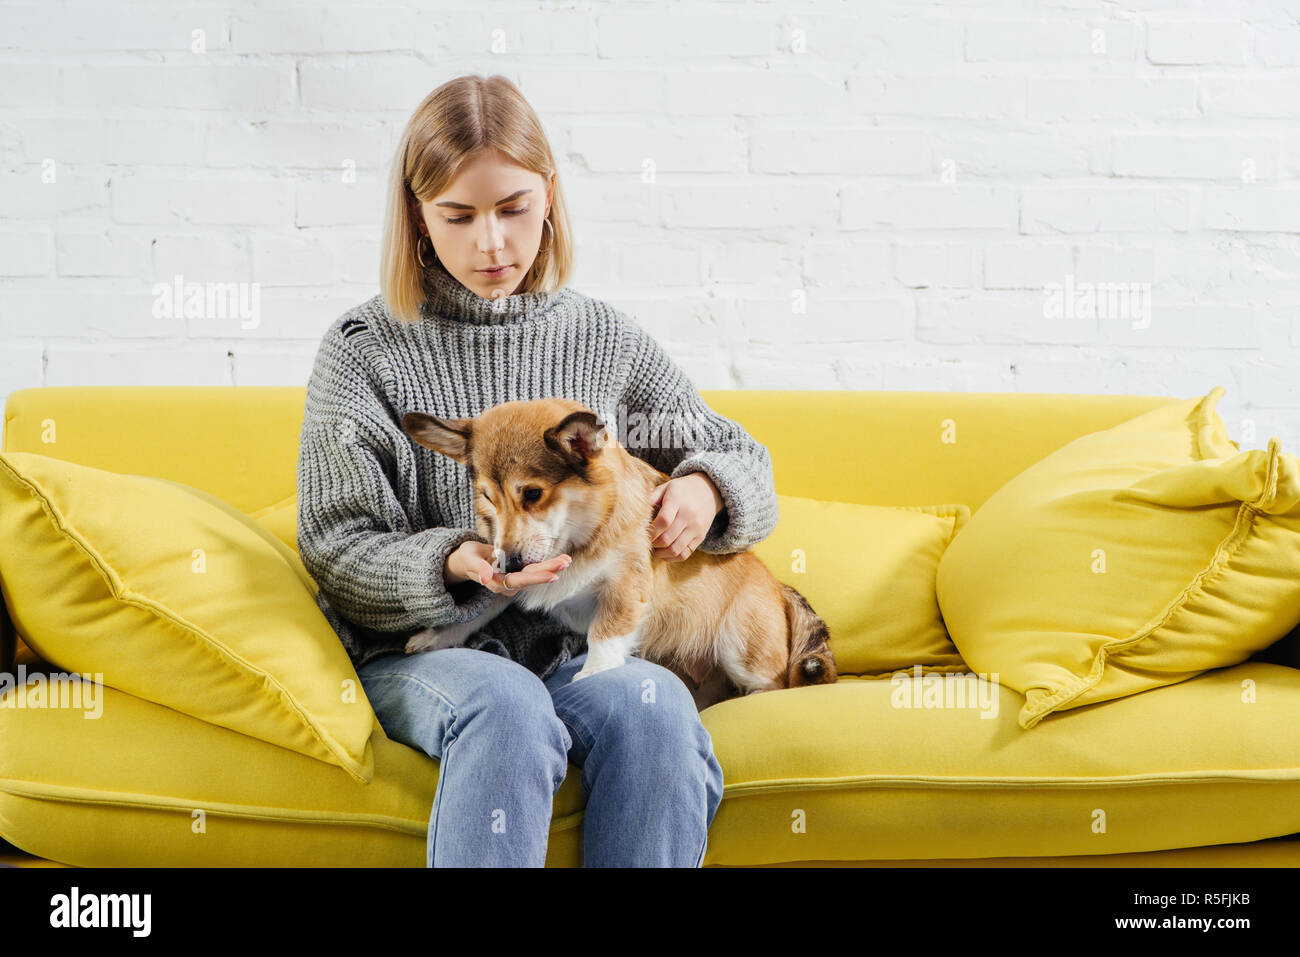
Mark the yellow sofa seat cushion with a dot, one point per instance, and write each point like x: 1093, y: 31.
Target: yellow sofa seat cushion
x: 175, y: 597
x: 848, y: 772
x: 869, y: 571
x: 1131, y: 558
x: 832, y: 773
x: 145, y: 786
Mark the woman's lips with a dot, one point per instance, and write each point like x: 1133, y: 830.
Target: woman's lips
x: 494, y: 273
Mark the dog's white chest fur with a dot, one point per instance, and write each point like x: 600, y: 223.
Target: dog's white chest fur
x: 577, y: 613
x: 573, y: 598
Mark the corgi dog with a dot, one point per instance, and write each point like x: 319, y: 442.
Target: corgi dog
x: 550, y: 479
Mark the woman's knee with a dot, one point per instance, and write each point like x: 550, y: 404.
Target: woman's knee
x: 647, y: 702
x: 476, y: 692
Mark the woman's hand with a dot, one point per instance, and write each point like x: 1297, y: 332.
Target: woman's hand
x: 688, y: 505
x: 472, y: 561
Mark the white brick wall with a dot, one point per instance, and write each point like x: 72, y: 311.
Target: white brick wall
x: 913, y: 176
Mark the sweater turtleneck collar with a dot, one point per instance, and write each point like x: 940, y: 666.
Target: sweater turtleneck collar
x: 446, y: 296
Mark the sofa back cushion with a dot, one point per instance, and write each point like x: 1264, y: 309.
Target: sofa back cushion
x: 1133, y: 558
x: 869, y: 572
x: 864, y: 447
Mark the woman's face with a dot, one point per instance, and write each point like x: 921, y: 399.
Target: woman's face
x: 492, y: 214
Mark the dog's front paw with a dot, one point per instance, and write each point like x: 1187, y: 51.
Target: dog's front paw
x: 596, y: 663
x: 587, y: 671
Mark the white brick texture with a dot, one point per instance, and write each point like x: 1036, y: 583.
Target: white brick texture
x: 871, y: 195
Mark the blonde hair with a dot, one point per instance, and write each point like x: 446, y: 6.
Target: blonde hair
x: 456, y: 121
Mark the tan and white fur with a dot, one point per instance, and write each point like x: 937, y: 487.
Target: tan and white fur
x: 549, y: 478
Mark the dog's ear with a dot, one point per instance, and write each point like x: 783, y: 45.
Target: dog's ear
x: 451, y: 437
x: 579, y: 438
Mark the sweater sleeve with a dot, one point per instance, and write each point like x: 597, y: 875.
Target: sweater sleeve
x: 680, y: 434
x: 355, y: 538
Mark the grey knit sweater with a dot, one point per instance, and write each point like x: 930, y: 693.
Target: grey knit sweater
x: 378, y: 514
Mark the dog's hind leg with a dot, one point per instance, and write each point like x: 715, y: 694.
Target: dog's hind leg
x: 715, y: 688
x: 733, y: 661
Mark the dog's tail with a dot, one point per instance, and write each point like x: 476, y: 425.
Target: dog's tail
x: 811, y: 661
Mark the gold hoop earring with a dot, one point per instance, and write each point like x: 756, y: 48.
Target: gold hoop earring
x: 419, y: 251
x: 547, y: 222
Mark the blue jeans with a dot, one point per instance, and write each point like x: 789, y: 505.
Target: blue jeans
x: 504, y: 739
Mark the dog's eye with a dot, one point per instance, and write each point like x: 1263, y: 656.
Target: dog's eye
x: 532, y: 494
x: 486, y: 496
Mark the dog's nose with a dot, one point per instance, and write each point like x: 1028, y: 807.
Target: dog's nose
x: 512, y: 562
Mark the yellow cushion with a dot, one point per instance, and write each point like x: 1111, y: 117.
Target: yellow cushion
x: 267, y: 525
x: 1131, y: 558
x: 842, y: 772
x: 85, y: 792
x: 177, y: 600
x: 869, y: 571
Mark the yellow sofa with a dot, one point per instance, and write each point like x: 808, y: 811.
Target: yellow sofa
x: 830, y: 774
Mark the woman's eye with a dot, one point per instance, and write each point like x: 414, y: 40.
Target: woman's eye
x: 508, y: 212
x: 532, y: 494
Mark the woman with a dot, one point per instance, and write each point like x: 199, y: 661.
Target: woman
x: 387, y: 528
